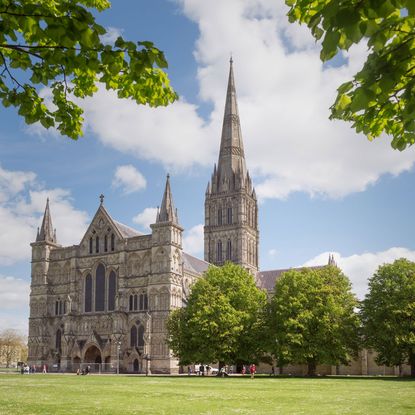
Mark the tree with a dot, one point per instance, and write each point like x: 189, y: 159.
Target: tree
x: 312, y: 318
x: 379, y: 99
x: 388, y: 314
x: 58, y: 45
x: 222, y: 321
x: 12, y: 346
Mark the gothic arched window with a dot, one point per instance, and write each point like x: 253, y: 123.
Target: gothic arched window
x: 90, y: 245
x: 106, y: 243
x: 112, y: 282
x: 88, y: 293
x: 145, y: 302
x: 100, y: 288
x: 58, y: 343
x: 229, y: 216
x: 219, y: 217
x: 141, y: 302
x: 131, y: 302
x: 229, y: 250
x: 219, y: 251
x: 97, y: 244
x: 135, y: 302
x: 112, y: 242
x: 133, y: 336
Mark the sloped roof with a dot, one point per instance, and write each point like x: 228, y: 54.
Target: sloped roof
x: 266, y: 279
x: 194, y: 264
x: 126, y: 231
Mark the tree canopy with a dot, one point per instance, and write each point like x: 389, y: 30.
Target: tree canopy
x: 12, y: 347
x: 57, y: 44
x: 222, y: 321
x: 379, y: 99
x: 388, y: 314
x: 312, y: 319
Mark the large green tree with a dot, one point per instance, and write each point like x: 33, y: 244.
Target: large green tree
x: 379, y: 98
x: 223, y: 319
x: 388, y: 314
x: 58, y: 44
x: 312, y: 319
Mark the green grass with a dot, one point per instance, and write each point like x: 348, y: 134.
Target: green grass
x: 94, y: 394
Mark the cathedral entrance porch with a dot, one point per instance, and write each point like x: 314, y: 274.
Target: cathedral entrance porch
x: 93, y: 358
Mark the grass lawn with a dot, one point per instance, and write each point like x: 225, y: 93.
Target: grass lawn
x: 109, y: 394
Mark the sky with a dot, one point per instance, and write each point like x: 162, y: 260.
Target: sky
x: 322, y: 188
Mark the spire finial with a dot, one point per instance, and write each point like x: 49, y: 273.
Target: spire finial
x: 167, y: 211
x: 46, y: 232
x: 101, y: 198
x: 231, y: 59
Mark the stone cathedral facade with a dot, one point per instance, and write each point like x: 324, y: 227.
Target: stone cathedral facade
x: 105, y: 301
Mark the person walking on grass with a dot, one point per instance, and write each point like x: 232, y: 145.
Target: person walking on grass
x: 252, y: 370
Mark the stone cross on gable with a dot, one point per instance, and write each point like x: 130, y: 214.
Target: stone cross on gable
x: 101, y: 198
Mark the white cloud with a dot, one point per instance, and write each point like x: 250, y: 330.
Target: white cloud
x: 111, y: 36
x: 14, y: 293
x: 23, y: 200
x: 272, y: 252
x: 129, y: 179
x: 146, y: 218
x: 284, y: 94
x: 193, y: 240
x: 360, y: 267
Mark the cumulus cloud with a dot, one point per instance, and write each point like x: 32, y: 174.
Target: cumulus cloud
x: 129, y: 179
x: 193, y: 240
x: 284, y: 94
x: 14, y: 293
x: 360, y: 267
x: 111, y: 36
x: 23, y: 200
x: 146, y: 218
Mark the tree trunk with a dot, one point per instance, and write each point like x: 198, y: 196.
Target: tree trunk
x: 412, y: 363
x: 312, y: 368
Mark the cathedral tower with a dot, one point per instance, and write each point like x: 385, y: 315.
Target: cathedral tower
x: 231, y: 209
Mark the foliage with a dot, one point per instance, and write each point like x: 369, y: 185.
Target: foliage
x: 57, y: 44
x: 12, y: 347
x: 312, y: 318
x: 388, y: 313
x: 188, y: 395
x: 379, y: 99
x: 222, y: 321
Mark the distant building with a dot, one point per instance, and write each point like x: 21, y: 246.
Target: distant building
x: 105, y: 302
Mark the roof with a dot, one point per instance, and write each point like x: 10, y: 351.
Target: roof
x: 194, y: 264
x: 125, y: 230
x: 266, y: 279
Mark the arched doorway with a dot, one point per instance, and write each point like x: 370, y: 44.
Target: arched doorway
x: 93, y: 355
x: 136, y: 366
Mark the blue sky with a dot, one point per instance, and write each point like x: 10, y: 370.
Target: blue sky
x: 323, y: 189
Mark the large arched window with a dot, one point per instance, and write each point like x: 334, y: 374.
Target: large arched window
x: 219, y: 251
x: 112, y: 283
x: 100, y: 288
x: 58, y: 343
x: 88, y: 293
x: 133, y: 336
x: 229, y: 250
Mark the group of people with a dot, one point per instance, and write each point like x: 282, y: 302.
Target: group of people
x: 26, y: 369
x: 84, y: 371
x: 252, y: 370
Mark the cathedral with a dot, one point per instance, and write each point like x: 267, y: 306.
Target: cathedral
x: 104, y: 302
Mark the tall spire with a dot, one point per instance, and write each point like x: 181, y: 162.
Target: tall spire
x: 46, y: 233
x: 167, y: 211
x: 231, y: 155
